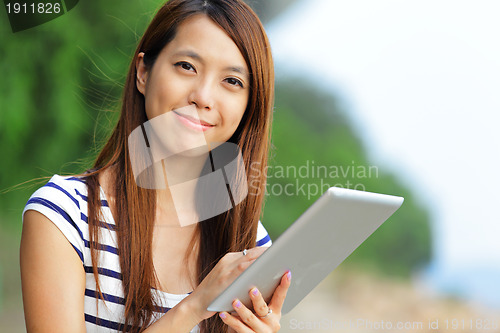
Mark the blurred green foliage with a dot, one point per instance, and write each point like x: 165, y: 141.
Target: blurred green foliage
x: 58, y: 79
x: 64, y: 77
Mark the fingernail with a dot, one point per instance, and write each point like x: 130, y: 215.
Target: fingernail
x: 222, y: 315
x: 238, y: 304
x: 255, y: 291
x: 289, y: 275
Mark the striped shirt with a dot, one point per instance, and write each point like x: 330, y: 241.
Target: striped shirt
x: 63, y: 200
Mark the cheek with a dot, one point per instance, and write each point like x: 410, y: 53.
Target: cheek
x: 162, y: 96
x: 237, y: 109
x: 234, y: 116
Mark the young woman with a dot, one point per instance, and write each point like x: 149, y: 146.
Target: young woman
x: 100, y: 253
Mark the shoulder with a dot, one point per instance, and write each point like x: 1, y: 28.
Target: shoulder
x: 263, y: 238
x: 63, y: 195
x: 62, y: 200
x: 59, y: 190
x: 51, y: 272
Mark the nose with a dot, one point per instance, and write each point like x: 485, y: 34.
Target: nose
x: 202, y: 95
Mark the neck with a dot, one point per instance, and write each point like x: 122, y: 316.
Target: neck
x: 176, y: 189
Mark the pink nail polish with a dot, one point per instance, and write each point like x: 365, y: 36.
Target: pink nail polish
x: 255, y: 291
x: 238, y: 304
x: 222, y: 315
x: 289, y: 275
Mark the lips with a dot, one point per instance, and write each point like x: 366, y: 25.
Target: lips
x: 193, y: 123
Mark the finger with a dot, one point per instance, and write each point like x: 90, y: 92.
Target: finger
x: 241, y: 262
x: 235, y: 258
x: 259, y: 305
x: 255, y: 252
x: 280, y: 292
x: 234, y: 323
x: 233, y: 264
x: 247, y: 316
x: 240, y: 267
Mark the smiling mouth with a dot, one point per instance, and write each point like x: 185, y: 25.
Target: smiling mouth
x: 193, y: 123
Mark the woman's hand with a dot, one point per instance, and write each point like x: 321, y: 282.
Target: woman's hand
x: 220, y: 277
x: 266, y: 318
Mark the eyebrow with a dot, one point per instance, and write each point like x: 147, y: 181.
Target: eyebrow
x: 190, y: 54
x: 196, y: 56
x: 237, y: 69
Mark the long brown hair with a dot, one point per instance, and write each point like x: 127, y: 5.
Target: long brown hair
x: 134, y: 207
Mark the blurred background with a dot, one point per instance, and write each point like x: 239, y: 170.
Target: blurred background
x: 387, y: 96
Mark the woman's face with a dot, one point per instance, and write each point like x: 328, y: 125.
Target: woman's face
x: 199, y: 83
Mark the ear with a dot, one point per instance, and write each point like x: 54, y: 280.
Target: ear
x: 141, y: 73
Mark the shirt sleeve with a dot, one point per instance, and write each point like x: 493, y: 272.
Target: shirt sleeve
x: 263, y: 238
x: 57, y: 201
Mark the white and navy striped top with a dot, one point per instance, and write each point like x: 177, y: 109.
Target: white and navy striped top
x: 63, y: 200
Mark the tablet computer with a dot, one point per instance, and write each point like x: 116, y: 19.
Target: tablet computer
x: 312, y: 247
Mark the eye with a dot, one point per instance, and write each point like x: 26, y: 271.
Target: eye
x: 234, y: 82
x: 185, y: 66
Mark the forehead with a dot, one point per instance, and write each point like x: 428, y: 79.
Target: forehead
x: 202, y: 36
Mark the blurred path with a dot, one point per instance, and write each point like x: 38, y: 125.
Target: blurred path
x: 354, y: 301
